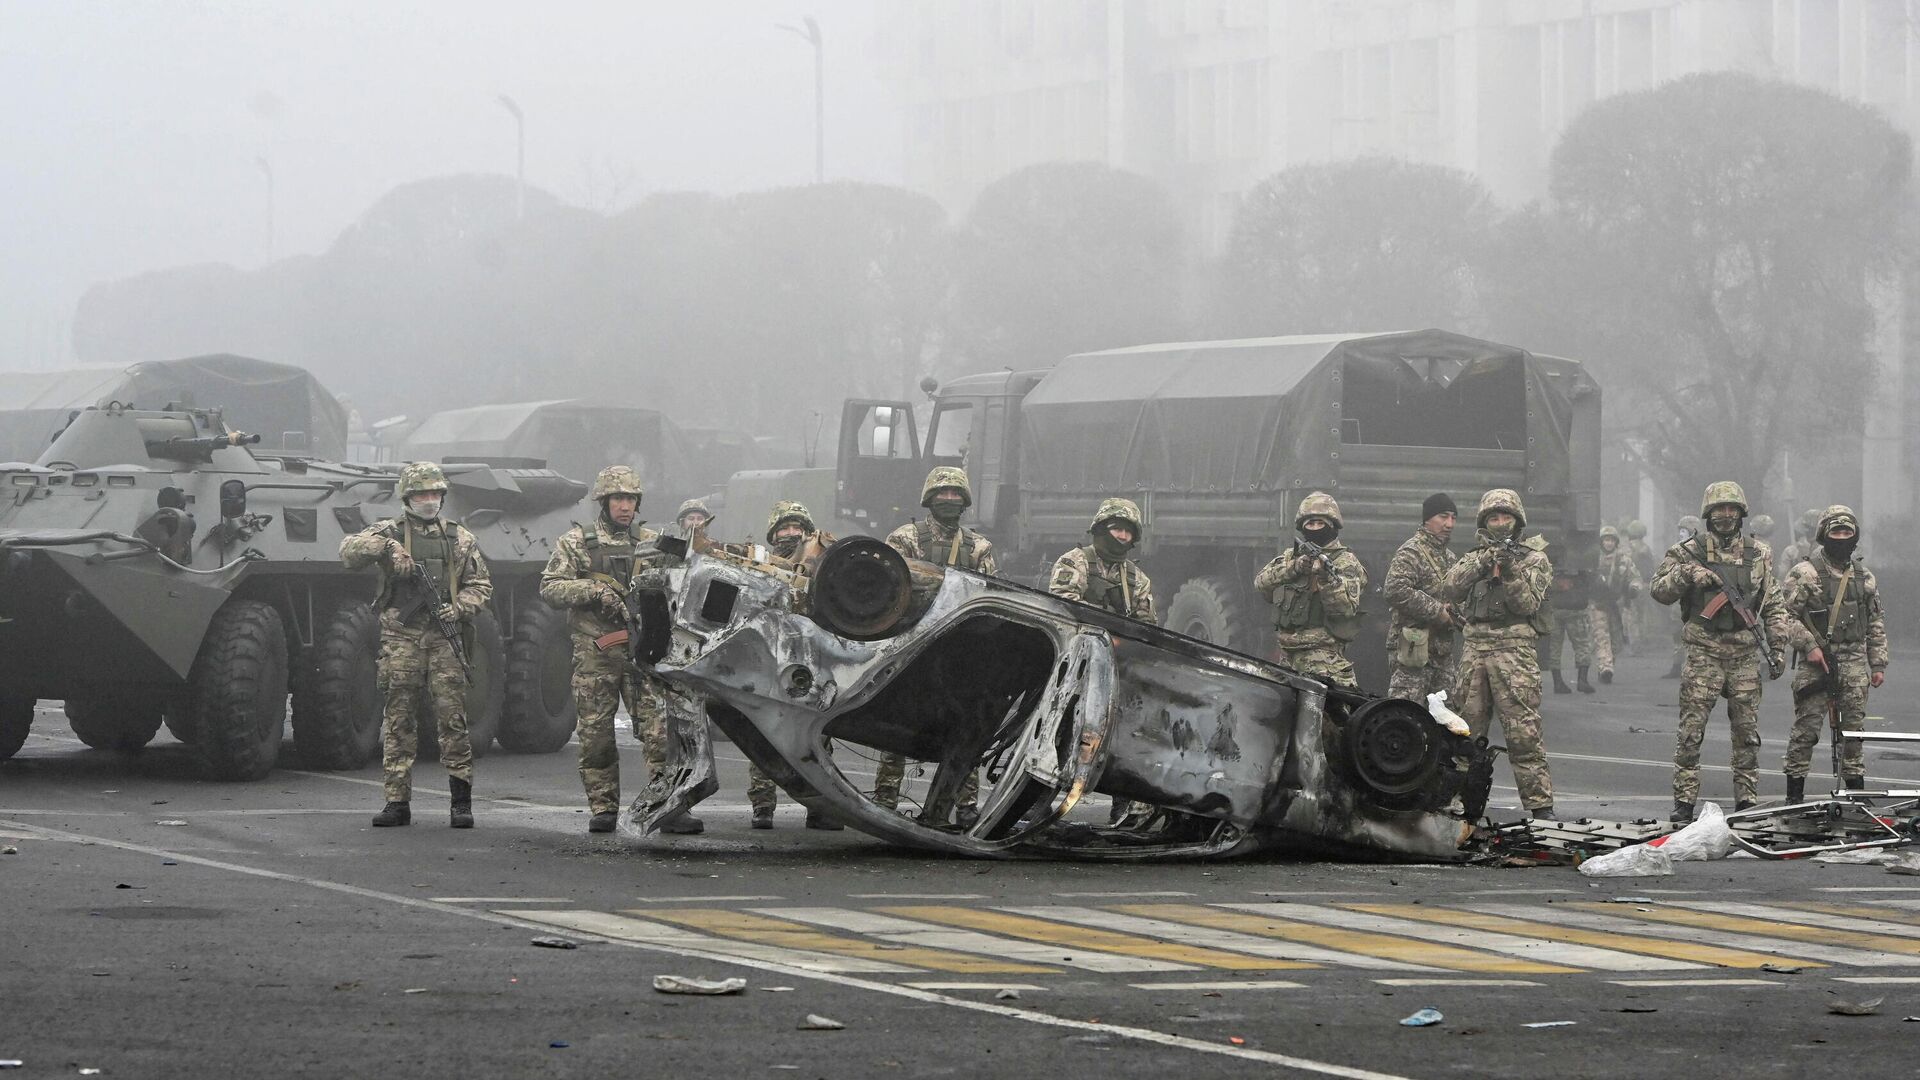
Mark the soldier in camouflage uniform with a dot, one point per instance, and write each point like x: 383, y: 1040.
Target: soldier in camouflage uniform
x: 1100, y: 573
x: 1422, y: 657
x: 588, y: 577
x: 1500, y: 587
x: 1834, y: 596
x: 943, y: 541
x: 1720, y: 646
x: 1315, y: 595
x: 1645, y: 611
x: 797, y: 542
x: 1570, y: 618
x: 1803, y: 543
x: 416, y: 659
x: 693, y: 516
x: 1619, y: 586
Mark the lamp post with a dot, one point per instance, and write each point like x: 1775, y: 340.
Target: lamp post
x: 810, y: 31
x: 520, y: 154
x: 266, y: 170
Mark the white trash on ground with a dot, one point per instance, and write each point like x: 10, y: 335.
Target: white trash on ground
x: 1447, y: 718
x: 1636, y: 861
x: 1709, y: 837
x: 687, y: 984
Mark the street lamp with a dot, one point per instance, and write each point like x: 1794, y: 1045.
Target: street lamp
x: 520, y: 154
x: 810, y: 30
x: 266, y: 170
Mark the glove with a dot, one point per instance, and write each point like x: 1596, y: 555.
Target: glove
x: 446, y: 613
x: 398, y: 560
x: 1776, y: 665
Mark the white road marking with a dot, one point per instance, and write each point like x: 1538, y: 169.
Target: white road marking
x: 1209, y: 938
x: 971, y: 986
x: 1804, y: 918
x: 1868, y: 888
x: 1694, y: 982
x: 932, y: 936
x: 519, y: 921
x: 1615, y: 924
x: 1879, y: 980
x: 916, y: 896
x: 1117, y: 895
x: 646, y: 931
x: 1263, y: 984
x: 1457, y: 982
x: 701, y: 899
x: 1528, y: 948
x: 500, y: 899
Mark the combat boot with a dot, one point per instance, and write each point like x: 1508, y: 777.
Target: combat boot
x: 1543, y: 813
x: 966, y: 817
x: 395, y: 813
x: 1606, y: 675
x: 460, y: 813
x: 763, y: 817
x: 1580, y: 676
x: 817, y: 819
x: 1854, y: 783
x: 1796, y: 789
x: 1674, y: 671
x: 1682, y: 813
x: 604, y: 821
x: 683, y: 824
x: 1744, y: 804
x: 1560, y: 684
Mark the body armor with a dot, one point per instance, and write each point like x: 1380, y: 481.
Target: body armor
x: 1740, y: 570
x: 955, y: 552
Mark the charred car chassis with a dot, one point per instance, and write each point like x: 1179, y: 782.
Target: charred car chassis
x: 1224, y: 753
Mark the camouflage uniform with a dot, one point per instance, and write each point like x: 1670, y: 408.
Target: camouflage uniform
x: 1619, y: 585
x: 1852, y: 634
x: 1118, y: 585
x: 415, y: 658
x: 1316, y: 600
x: 1422, y: 656
x: 1803, y: 543
x: 943, y: 545
x: 1645, y: 612
x: 762, y: 792
x: 1503, y: 598
x: 1720, y: 648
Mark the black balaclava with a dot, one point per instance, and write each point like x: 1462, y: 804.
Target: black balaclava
x: 1320, y: 531
x: 1106, y: 546
x: 947, y: 513
x: 1839, y: 552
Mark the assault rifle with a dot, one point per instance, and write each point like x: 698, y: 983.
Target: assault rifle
x: 425, y: 594
x: 1317, y: 553
x: 1731, y: 593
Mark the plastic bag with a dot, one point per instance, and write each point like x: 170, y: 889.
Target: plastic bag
x: 1445, y: 717
x: 1640, y: 860
x: 1709, y: 837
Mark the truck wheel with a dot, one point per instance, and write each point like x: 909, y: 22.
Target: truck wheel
x: 336, y: 699
x: 238, y: 705
x: 487, y: 664
x: 539, y: 715
x: 16, y: 717
x: 1212, y: 609
x: 114, y: 722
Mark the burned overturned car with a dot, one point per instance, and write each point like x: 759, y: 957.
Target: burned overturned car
x: 863, y: 652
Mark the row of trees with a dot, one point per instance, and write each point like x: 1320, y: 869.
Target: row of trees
x: 1709, y: 246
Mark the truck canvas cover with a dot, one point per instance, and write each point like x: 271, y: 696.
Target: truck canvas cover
x: 576, y: 438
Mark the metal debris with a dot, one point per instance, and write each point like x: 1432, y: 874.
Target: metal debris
x: 687, y: 984
x: 550, y: 942
x: 816, y: 1022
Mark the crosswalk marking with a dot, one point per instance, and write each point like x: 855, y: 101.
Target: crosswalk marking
x: 793, y: 935
x: 1263, y: 984
x: 1694, y: 982
x: 1605, y: 920
x: 1863, y: 911
x: 1677, y: 950
x: 1869, y: 923
x: 653, y: 933
x: 1079, y: 937
x: 1761, y: 927
x: 1347, y: 948
x: 1548, y: 952
x: 1458, y: 982
x: 1137, y: 919
x: 909, y: 932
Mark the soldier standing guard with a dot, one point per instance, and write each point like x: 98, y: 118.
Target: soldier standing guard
x: 1501, y: 588
x: 416, y: 658
x: 1315, y: 587
x: 1569, y: 618
x: 1725, y: 588
x: 942, y: 541
x: 588, y: 576
x: 1834, y: 596
x: 796, y: 542
x: 1421, y: 655
x: 1619, y: 586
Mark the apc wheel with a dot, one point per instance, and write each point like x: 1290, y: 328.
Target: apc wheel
x: 238, y: 704
x: 113, y: 722
x: 1213, y: 610
x: 540, y: 715
x: 486, y: 661
x: 336, y: 699
x: 16, y: 717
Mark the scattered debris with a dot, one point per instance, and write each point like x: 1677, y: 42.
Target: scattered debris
x: 777, y: 989
x: 12, y: 1063
x: 168, y: 862
x: 346, y: 986
x: 687, y: 984
x: 1869, y: 1007
x: 550, y: 942
x: 1782, y: 969
x: 1236, y: 1040
x: 816, y: 1022
x: 9, y: 850
x: 1641, y: 860
x: 558, y: 1044
x: 1008, y: 994
x: 1631, y: 730
x: 1638, y: 1009
x: 1905, y: 862
x: 171, y: 821
x: 89, y: 1072
x: 1910, y: 1019
x: 124, y: 885
x: 1628, y: 900
x: 1426, y: 1017
x: 414, y: 990
x: 1550, y: 1023
x: 1856, y: 857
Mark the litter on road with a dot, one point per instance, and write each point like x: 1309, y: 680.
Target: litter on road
x: 686, y: 984
x: 1551, y: 1023
x: 1869, y: 1007
x: 816, y: 1022
x: 547, y: 942
x: 1426, y: 1017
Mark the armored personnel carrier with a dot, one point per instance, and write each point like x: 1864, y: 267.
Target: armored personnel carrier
x: 155, y: 570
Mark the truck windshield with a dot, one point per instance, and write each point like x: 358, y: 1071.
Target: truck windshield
x: 885, y: 432
x: 952, y: 434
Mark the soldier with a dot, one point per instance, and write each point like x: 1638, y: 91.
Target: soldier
x: 588, y: 576
x: 416, y: 659
x: 1619, y: 586
x: 1421, y: 655
x: 1568, y: 618
x: 944, y: 542
x: 1645, y: 612
x: 1501, y: 588
x: 1101, y: 574
x: 693, y: 516
x: 1834, y: 596
x: 1315, y: 587
x: 1803, y: 544
x: 1720, y: 645
x: 797, y: 542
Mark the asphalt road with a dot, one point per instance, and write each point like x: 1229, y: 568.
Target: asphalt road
x: 156, y: 924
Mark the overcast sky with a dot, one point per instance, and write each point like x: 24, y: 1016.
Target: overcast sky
x: 133, y: 129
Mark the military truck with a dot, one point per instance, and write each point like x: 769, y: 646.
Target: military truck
x: 1219, y: 440
x: 156, y: 569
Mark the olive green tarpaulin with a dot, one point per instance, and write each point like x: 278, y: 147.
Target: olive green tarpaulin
x: 577, y: 438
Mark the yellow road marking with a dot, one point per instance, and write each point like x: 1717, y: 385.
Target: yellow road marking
x: 1741, y: 924
x: 1431, y: 954
x: 792, y: 935
x: 1676, y: 950
x: 1855, y: 911
x: 1084, y: 937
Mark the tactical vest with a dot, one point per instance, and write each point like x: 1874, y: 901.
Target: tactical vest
x: 613, y: 558
x: 433, y: 553
x: 1726, y: 620
x: 1488, y: 606
x: 1297, y: 606
x: 938, y: 553
x: 1103, y: 591
x: 1851, y: 620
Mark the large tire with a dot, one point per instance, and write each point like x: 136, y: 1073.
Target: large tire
x: 486, y: 663
x: 16, y: 718
x: 114, y: 721
x: 238, y: 704
x: 1213, y: 609
x: 336, y: 699
x: 540, y: 714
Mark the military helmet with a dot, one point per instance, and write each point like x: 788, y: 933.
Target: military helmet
x: 689, y: 506
x: 787, y: 510
x: 1318, y: 504
x: 1838, y: 515
x: 420, y: 476
x: 1723, y: 493
x: 1501, y: 499
x: 1809, y: 521
x: 1692, y: 523
x: 616, y: 480
x: 1761, y: 525
x: 946, y: 476
x: 1608, y: 530
x: 1636, y: 529
x: 1118, y: 510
